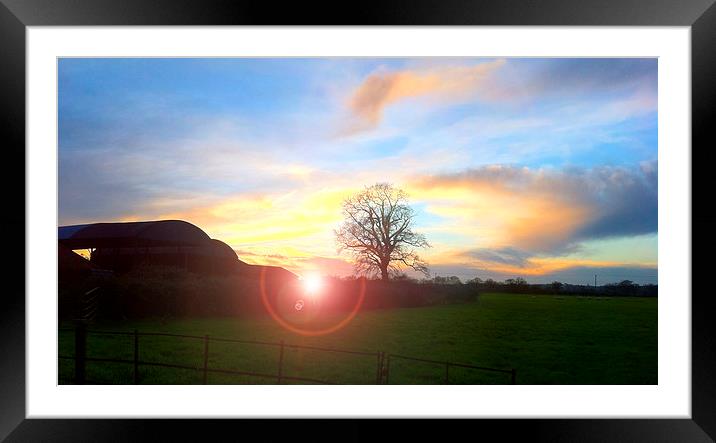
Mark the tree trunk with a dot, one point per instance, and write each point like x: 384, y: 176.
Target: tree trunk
x: 384, y: 272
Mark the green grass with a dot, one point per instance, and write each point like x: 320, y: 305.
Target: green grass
x: 547, y: 339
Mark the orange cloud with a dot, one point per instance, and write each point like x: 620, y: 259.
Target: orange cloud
x: 531, y: 266
x: 518, y: 221
x: 542, y: 211
x: 548, y: 265
x: 495, y: 215
x: 384, y: 88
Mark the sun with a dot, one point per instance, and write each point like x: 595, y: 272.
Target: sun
x: 312, y: 284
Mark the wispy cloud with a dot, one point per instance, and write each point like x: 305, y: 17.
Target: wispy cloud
x: 384, y: 87
x: 573, y: 78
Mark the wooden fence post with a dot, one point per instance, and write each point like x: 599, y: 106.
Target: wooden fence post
x: 280, y: 363
x: 80, y: 352
x: 379, y: 371
x: 387, y: 371
x: 136, y: 357
x: 206, y: 356
x: 382, y: 366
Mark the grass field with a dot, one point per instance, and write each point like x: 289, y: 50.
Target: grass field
x: 547, y: 339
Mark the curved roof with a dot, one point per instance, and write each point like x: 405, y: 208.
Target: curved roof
x: 148, y: 233
x: 222, y: 249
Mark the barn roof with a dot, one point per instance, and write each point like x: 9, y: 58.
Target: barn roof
x: 158, y: 234
x: 127, y: 234
x: 222, y: 249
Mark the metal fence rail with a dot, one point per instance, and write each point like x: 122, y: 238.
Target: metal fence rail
x: 512, y: 372
x: 198, y: 369
x: 382, y: 363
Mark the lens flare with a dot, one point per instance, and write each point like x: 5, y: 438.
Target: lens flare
x: 312, y: 284
x: 309, y: 332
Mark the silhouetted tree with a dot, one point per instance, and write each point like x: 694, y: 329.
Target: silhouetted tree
x: 628, y: 287
x: 452, y: 280
x: 403, y: 277
x: 519, y: 281
x: 377, y: 231
x: 490, y: 283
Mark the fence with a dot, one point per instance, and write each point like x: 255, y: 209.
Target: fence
x: 447, y: 364
x: 83, y: 306
x: 382, y: 372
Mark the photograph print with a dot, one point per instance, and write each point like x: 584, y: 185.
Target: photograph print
x: 342, y: 220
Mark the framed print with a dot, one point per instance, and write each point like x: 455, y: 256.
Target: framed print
x: 389, y: 220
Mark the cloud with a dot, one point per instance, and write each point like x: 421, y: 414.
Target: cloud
x: 383, y: 88
x: 271, y: 219
x: 520, y: 212
x: 626, y: 202
x: 573, y: 78
x: 508, y: 256
x: 144, y: 173
x: 500, y: 263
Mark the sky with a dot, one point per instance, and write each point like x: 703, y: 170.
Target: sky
x: 544, y: 169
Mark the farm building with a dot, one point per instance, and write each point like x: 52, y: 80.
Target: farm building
x: 123, y: 246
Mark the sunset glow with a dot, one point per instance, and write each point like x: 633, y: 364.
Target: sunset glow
x: 312, y: 284
x: 540, y: 168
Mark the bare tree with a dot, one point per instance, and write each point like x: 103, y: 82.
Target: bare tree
x: 377, y: 231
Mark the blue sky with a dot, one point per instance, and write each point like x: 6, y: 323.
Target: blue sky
x: 540, y: 168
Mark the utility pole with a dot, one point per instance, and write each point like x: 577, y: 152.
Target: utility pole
x: 595, y: 281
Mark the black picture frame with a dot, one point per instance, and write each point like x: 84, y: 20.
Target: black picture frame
x: 16, y: 15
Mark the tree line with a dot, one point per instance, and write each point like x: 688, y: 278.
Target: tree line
x: 519, y: 285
